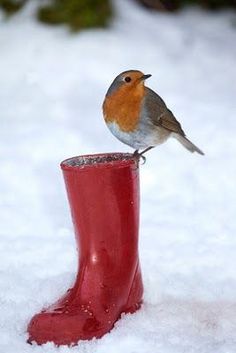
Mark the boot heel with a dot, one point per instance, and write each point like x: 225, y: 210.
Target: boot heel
x: 135, y: 298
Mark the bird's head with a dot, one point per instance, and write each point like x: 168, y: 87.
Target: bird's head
x: 127, y: 80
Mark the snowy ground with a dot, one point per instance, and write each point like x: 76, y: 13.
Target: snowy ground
x: 52, y: 87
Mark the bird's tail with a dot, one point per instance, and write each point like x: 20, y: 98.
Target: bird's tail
x: 187, y: 144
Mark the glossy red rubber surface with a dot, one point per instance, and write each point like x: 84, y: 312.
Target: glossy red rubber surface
x: 104, y: 201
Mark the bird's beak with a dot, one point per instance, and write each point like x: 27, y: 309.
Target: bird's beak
x: 144, y: 77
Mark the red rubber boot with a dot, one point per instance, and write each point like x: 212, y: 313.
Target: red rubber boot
x: 103, y: 192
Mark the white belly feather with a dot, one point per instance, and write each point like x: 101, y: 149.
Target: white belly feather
x: 142, y: 138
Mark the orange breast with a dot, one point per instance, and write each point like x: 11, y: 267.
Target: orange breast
x: 124, y: 107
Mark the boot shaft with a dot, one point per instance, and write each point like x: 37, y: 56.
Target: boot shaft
x: 104, y: 201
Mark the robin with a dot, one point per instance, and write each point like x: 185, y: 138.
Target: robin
x: 138, y: 116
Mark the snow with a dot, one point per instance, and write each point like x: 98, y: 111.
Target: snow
x: 52, y: 88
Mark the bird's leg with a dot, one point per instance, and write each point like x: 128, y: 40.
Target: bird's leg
x: 146, y: 149
x: 137, y: 155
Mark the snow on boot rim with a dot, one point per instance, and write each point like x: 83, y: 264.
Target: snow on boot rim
x: 116, y: 159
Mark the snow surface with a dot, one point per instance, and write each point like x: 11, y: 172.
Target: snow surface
x: 52, y: 88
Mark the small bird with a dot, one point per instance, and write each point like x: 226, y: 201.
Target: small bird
x: 138, y: 116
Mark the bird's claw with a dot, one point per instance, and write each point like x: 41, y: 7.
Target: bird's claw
x: 143, y: 159
x: 138, y: 156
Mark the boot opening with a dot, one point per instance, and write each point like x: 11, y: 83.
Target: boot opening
x: 97, y: 159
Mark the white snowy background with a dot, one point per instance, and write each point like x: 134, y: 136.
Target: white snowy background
x: 52, y: 85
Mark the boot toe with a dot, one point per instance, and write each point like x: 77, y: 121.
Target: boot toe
x: 64, y: 329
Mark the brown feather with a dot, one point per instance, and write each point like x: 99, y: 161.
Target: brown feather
x: 169, y: 122
x: 160, y: 115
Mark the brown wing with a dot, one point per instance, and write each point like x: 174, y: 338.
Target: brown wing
x: 168, y: 121
x: 160, y: 114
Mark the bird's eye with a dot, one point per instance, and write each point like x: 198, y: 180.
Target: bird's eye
x: 127, y: 79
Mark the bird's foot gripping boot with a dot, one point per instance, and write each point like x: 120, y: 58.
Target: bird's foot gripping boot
x: 103, y: 192
x: 137, y: 155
